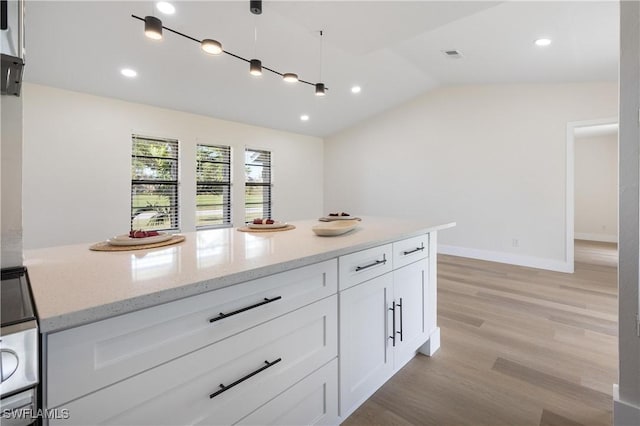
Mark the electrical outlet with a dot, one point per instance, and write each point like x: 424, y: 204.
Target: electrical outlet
x: 515, y: 242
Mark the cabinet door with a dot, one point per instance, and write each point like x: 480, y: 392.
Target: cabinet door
x: 411, y: 293
x: 365, y: 349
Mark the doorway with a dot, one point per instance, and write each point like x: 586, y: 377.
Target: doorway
x: 592, y: 186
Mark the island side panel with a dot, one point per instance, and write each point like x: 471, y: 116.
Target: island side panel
x: 433, y: 344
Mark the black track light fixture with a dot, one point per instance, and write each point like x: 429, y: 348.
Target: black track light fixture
x: 153, y: 29
x: 255, y: 6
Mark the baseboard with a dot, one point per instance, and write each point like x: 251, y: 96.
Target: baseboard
x: 603, y: 238
x: 509, y: 258
x: 624, y: 414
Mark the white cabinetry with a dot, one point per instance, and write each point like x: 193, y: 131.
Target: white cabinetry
x: 208, y: 359
x: 223, y: 382
x: 95, y: 355
x: 384, y: 321
x: 263, y: 351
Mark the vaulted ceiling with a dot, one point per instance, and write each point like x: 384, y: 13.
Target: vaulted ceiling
x: 392, y: 50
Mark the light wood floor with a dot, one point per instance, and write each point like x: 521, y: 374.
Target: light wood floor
x: 520, y: 346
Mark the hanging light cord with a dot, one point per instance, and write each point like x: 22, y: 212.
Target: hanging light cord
x: 321, y: 32
x: 227, y: 52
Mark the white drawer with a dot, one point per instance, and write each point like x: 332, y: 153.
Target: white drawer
x: 179, y: 392
x: 409, y: 250
x: 84, y: 359
x: 313, y: 401
x: 363, y: 265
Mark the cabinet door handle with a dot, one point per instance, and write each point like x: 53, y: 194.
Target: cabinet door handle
x: 224, y: 388
x: 264, y: 302
x: 400, y: 305
x: 393, y: 321
x: 376, y: 263
x: 404, y: 253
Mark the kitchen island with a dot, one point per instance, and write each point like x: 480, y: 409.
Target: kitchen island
x: 231, y: 327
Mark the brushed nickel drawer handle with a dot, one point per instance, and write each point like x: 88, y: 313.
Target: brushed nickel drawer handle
x: 376, y: 263
x: 414, y: 250
x: 224, y: 388
x: 264, y: 302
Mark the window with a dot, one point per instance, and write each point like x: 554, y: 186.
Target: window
x: 257, y: 191
x: 154, y: 183
x: 213, y: 186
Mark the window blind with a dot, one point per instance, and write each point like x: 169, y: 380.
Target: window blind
x: 257, y: 184
x: 154, y: 183
x: 213, y: 186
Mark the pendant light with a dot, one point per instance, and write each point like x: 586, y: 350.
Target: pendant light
x: 290, y: 77
x: 152, y: 27
x: 320, y: 89
x: 255, y: 65
x: 213, y: 47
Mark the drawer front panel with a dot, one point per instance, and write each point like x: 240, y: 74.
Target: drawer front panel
x: 84, y: 359
x: 366, y: 264
x: 179, y: 392
x: 313, y: 401
x: 410, y: 250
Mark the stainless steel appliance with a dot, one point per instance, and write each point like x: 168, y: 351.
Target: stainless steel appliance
x: 19, y: 348
x: 19, y: 337
x: 11, y: 46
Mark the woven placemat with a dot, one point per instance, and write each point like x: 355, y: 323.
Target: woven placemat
x: 105, y: 246
x: 247, y: 229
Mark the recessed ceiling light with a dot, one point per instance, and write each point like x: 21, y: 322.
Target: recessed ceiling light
x: 543, y: 42
x: 166, y: 7
x: 304, y: 117
x: 128, y: 72
x: 356, y: 89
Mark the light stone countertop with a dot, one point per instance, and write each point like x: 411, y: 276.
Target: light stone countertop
x: 72, y: 285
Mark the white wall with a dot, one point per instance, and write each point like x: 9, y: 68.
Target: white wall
x: 491, y: 158
x: 596, y: 188
x: 77, y: 164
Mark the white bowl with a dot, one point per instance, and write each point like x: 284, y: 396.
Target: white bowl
x: 338, y: 227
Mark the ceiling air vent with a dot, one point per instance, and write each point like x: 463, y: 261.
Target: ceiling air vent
x: 453, y: 54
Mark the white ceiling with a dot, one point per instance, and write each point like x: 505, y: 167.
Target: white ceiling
x: 393, y: 50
